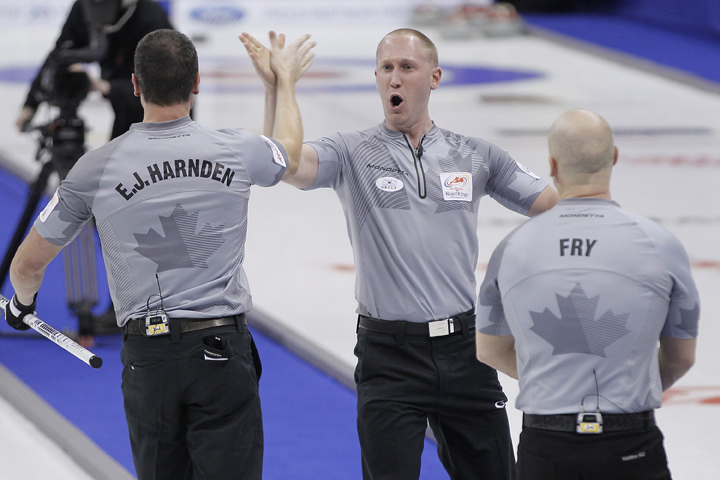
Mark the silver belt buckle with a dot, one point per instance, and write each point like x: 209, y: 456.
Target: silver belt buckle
x: 440, y: 328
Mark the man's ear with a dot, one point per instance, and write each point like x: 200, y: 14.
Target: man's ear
x: 553, y: 167
x: 436, y: 75
x: 136, y: 86
x: 196, y: 84
x: 617, y: 153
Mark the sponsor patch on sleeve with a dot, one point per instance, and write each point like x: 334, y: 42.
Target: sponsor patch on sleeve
x: 527, y: 170
x: 277, y: 154
x: 49, y: 207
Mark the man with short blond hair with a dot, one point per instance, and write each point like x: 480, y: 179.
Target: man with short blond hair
x: 411, y: 193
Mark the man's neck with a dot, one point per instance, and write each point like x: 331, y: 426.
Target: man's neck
x: 584, y: 191
x: 415, y: 132
x: 160, y: 113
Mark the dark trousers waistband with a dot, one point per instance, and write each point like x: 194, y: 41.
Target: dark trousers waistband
x: 611, y: 422
x: 462, y: 323
x: 136, y: 326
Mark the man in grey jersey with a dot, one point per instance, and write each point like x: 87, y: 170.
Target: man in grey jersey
x: 170, y: 200
x: 574, y: 304
x: 411, y: 193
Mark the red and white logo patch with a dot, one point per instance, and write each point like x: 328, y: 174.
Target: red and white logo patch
x: 49, y: 207
x: 457, y: 186
x: 277, y: 154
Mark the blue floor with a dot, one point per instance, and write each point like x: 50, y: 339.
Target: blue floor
x: 309, y: 418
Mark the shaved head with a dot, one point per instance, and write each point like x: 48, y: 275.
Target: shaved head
x: 427, y: 45
x: 582, y: 143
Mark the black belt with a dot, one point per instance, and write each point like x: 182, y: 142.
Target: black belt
x: 611, y: 422
x: 136, y: 326
x: 458, y: 324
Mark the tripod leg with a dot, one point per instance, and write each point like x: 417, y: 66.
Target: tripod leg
x: 81, y: 283
x: 36, y: 191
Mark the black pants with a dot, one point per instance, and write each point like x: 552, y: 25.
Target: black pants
x: 404, y: 385
x: 633, y: 455
x: 190, y: 417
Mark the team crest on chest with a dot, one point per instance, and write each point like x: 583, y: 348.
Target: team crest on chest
x: 457, y: 186
x: 389, y: 184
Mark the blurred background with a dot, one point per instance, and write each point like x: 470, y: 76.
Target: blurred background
x: 650, y: 67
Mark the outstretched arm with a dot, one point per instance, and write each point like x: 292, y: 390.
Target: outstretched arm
x: 279, y: 69
x: 260, y: 56
x: 289, y: 64
x: 547, y: 199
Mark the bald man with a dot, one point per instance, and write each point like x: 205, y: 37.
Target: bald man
x: 594, y: 310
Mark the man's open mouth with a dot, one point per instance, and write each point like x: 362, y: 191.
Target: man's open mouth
x: 396, y: 100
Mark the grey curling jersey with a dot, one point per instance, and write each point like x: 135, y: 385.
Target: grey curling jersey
x: 412, y: 219
x: 170, y: 199
x: 584, y: 287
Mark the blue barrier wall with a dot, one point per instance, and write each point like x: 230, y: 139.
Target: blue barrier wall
x: 701, y: 17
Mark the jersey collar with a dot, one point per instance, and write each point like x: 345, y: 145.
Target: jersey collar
x: 180, y: 122
x: 399, y: 136
x: 586, y: 201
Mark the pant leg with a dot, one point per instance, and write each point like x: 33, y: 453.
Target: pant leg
x: 154, y: 413
x: 470, y: 422
x: 224, y: 419
x: 191, y: 418
x: 394, y: 383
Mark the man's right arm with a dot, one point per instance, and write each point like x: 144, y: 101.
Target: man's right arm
x: 260, y: 56
x: 28, y: 265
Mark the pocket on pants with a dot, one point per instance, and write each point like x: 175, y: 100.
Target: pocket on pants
x: 215, y: 348
x: 534, y: 467
x: 145, y: 366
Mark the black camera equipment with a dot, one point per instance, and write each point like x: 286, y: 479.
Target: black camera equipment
x: 61, y: 143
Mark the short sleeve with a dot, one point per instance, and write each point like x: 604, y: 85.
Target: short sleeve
x: 70, y: 207
x: 266, y: 161
x: 332, y: 152
x: 491, y: 318
x: 511, y: 184
x: 684, y: 311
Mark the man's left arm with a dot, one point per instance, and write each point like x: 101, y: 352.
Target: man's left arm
x: 282, y: 119
x: 547, y: 199
x: 512, y: 184
x: 28, y: 266
x: 497, y: 351
x: 676, y: 356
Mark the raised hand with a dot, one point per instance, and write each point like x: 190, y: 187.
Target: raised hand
x: 293, y: 61
x: 260, y: 56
